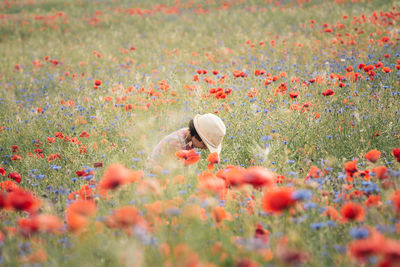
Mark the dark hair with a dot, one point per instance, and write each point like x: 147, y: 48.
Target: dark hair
x: 193, y: 131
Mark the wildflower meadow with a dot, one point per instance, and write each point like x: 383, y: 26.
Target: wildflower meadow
x: 309, y: 172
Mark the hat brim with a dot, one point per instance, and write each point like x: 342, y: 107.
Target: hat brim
x: 210, y: 147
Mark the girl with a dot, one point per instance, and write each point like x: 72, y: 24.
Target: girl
x: 203, y: 132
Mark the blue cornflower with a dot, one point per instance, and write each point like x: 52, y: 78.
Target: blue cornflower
x: 302, y: 195
x: 359, y: 233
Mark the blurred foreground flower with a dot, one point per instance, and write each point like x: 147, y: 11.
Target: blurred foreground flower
x: 208, y: 182
x: 396, y: 200
x: 278, y: 199
x: 259, y: 176
x: 219, y: 214
x: 42, y: 223
x: 362, y: 249
x: 21, y: 200
x: 125, y: 218
x: 288, y: 255
x: 256, y: 176
x: 78, y: 214
x: 117, y: 175
x: 188, y: 157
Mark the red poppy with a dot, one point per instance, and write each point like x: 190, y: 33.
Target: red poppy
x: 188, y: 157
x: 85, y: 193
x: 39, y: 223
x: 2, y: 171
x: 373, y: 201
x: 83, y: 207
x: 396, y: 200
x: 124, y: 217
x: 352, y: 211
x: 232, y: 175
x: 16, y: 157
x: 97, y: 82
x: 293, y: 95
x: 15, y: 176
x: 213, y: 158
x: 154, y: 208
x: 364, y: 248
x: 49, y: 223
x: 76, y: 222
x: 116, y: 175
x: 290, y: 256
x: 314, y: 173
x: 238, y: 73
x: 52, y: 157
x: 219, y: 214
x: 201, y: 71
x: 203, y: 176
x: 3, y: 200
x: 259, y: 176
x: 260, y: 72
x: 83, y: 173
x: 396, y: 153
x: 350, y: 167
x: 27, y: 227
x: 372, y: 155
x: 78, y: 213
x: 386, y: 70
x: 59, y: 135
x: 356, y: 194
x: 261, y: 233
x: 8, y: 186
x: 391, y: 253
x: 278, y: 199
x: 368, y: 68
x: 84, y: 134
x: 332, y: 213
x: 328, y: 92
x: 208, y: 182
x: 380, y: 172
x: 98, y: 164
x: 22, y: 200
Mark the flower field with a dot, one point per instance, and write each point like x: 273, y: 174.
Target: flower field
x: 309, y: 173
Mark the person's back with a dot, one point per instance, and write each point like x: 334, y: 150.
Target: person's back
x: 161, y: 154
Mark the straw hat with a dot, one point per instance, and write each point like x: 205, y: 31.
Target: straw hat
x: 211, y: 130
